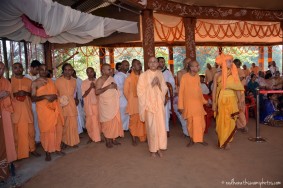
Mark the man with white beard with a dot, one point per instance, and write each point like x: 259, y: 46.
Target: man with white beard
x: 120, y: 80
x: 168, y: 77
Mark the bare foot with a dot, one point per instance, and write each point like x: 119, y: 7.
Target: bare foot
x: 34, y: 153
x: 89, y: 141
x: 64, y: 146
x: 190, y: 143
x: 153, y: 155
x: 159, y: 153
x: 227, y: 147
x: 203, y: 143
x: 134, y: 141
x: 245, y: 130
x: 115, y: 142
x: 48, y: 156
x: 108, y: 144
x: 61, y: 153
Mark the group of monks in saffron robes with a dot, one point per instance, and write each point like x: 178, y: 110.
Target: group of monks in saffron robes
x: 145, y: 95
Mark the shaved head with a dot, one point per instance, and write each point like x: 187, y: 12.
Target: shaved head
x: 193, y: 66
x: 18, y: 69
x: 153, y: 63
x: 106, y: 69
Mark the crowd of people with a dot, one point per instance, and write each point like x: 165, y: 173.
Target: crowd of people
x: 38, y: 109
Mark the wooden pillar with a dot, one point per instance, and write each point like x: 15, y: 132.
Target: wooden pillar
x: 111, y: 57
x: 281, y: 24
x: 5, y: 58
x: 269, y: 54
x: 190, y: 43
x: 102, y: 55
x: 261, y: 58
x: 47, y: 46
x: 171, y: 60
x: 26, y: 56
x: 220, y: 50
x: 147, y: 36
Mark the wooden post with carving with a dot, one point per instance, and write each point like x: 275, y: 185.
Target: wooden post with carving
x: 190, y: 43
x: 48, y: 55
x: 5, y: 58
x: 111, y: 57
x: 281, y: 26
x: 147, y: 36
x: 261, y: 58
x: 170, y: 59
x: 102, y: 56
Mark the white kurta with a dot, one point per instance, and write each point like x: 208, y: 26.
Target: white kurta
x: 80, y: 108
x: 204, y: 89
x: 120, y: 80
x: 168, y: 77
x: 35, y: 120
x: 180, y: 117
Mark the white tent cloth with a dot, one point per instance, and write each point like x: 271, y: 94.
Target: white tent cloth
x: 61, y: 23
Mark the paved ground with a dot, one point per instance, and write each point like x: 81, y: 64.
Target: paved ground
x: 96, y: 166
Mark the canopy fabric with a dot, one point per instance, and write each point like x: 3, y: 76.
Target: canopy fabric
x: 171, y: 28
x: 58, y: 23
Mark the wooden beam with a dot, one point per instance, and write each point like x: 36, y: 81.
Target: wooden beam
x: 139, y: 44
x: 134, y: 3
x: 5, y: 58
x: 77, y: 4
x: 219, y: 13
x: 148, y: 36
x: 65, y: 61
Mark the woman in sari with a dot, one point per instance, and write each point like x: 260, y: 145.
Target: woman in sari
x: 227, y: 100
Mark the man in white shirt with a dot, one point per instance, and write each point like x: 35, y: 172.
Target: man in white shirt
x: 80, y: 107
x: 168, y: 77
x: 33, y: 75
x: 119, y: 78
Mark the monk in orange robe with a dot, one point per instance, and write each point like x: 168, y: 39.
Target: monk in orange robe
x: 22, y: 118
x: 91, y: 106
x: 136, y: 126
x: 191, y: 103
x: 108, y: 105
x: 50, y: 118
x: 151, y: 90
x: 7, y: 146
x: 66, y: 87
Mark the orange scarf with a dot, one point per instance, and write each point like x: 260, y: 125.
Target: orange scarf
x: 221, y: 61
